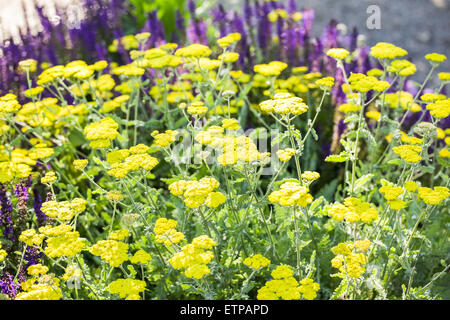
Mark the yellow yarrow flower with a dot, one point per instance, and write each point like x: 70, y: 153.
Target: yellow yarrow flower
x: 409, y: 153
x: 285, y: 154
x: 338, y: 53
x: 127, y: 288
x: 256, y: 261
x: 384, y: 50
x: 290, y: 194
x: 141, y: 257
x: 37, y: 269
x: 353, y: 210
x: 112, y: 251
x: 433, y: 196
x: 80, y: 164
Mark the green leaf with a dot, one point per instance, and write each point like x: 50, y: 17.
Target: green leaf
x: 360, y: 184
x: 340, y: 290
x: 314, y: 134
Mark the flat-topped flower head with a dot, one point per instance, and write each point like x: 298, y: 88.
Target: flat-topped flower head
x: 384, y: 50
x: 353, y: 210
x: 435, y: 58
x: 194, y: 50
x: 338, y: 53
x: 409, y: 153
x: 290, y: 194
x: 256, y: 261
x: 433, y: 196
x: 284, y: 103
x: 273, y: 68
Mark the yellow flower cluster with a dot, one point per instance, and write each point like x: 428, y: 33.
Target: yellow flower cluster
x: 308, y: 288
x: 391, y: 194
x: 164, y: 139
x: 310, y: 175
x: 384, y: 50
x: 122, y: 162
x: 9, y: 104
x: 233, y: 148
x: 285, y: 286
x: 119, y: 234
x: 435, y: 57
x: 403, y: 67
x: 402, y: 99
x: 349, y: 107
x: 166, y: 233
x: 338, y: 53
x: 408, y: 152
x: 433, y: 196
x: 141, y: 257
x: 290, y: 194
x: 49, y: 177
x: 375, y: 115
x: 112, y: 251
x: 47, y: 113
x: 3, y: 253
x: 30, y: 237
x: 229, y: 39
x: 37, y: 269
x: 44, y: 288
x: 284, y: 103
x: 101, y: 133
x: 353, y: 210
x: 194, y: 257
x: 80, y: 164
x: 111, y: 105
x: 286, y: 154
x: 64, y: 210
x: 156, y: 58
x: 444, y: 76
x: 127, y: 288
x: 196, y: 193
x: 325, y: 83
x: 67, y: 244
x: 128, y: 42
x: 256, y: 261
x: 197, y: 108
x: 194, y: 50
x: 362, y: 83
x: 231, y: 124
x: 440, y: 109
x: 129, y: 70
x: 273, y: 68
x: 28, y: 64
x: 348, y: 261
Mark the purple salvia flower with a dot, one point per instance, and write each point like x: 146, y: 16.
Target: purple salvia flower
x: 338, y: 94
x: 248, y: 14
x: 292, y: 7
x: 180, y: 26
x: 281, y: 38
x: 308, y: 20
x: 221, y: 17
x: 32, y: 256
x: 6, y: 214
x: 37, y: 204
x: 8, y: 286
x: 316, y: 56
x: 242, y: 46
x: 354, y: 39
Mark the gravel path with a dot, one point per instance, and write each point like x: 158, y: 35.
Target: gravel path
x: 419, y: 26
